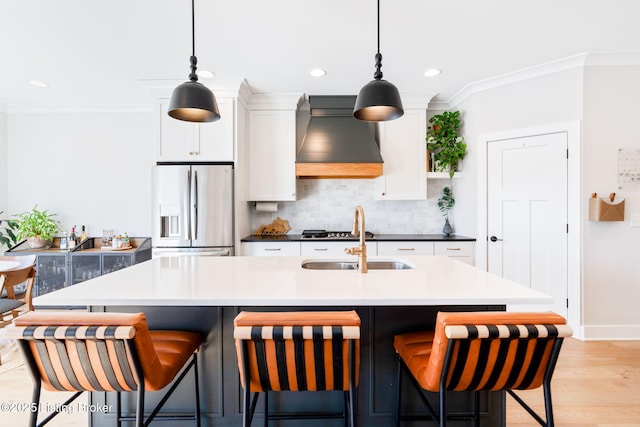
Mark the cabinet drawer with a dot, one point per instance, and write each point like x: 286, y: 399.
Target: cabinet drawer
x: 271, y: 248
x: 454, y: 249
x: 334, y: 249
x: 405, y: 248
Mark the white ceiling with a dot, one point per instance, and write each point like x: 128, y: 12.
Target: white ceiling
x: 107, y: 54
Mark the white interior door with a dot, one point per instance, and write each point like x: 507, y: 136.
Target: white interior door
x: 527, y: 214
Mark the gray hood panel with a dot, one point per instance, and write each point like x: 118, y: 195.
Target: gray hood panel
x: 334, y: 136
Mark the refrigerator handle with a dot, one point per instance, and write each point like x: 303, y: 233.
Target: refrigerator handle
x: 188, y: 210
x: 194, y: 207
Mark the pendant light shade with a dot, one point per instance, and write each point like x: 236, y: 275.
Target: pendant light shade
x: 379, y: 100
x: 193, y: 101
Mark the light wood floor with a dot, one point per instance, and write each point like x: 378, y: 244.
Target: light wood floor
x: 596, y: 384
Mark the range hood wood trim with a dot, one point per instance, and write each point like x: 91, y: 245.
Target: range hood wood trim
x: 338, y: 170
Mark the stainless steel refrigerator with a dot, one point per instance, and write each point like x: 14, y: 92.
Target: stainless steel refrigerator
x: 193, y: 209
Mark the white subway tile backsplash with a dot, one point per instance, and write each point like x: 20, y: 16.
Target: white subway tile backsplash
x: 329, y: 204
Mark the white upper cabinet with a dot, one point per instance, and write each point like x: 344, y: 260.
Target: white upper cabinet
x: 185, y: 141
x: 403, y: 149
x: 272, y: 147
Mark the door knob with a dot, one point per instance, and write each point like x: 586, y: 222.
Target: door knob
x: 494, y: 239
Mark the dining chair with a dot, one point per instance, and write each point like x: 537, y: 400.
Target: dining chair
x: 110, y: 352
x: 298, y: 351
x: 15, y: 300
x: 482, y: 351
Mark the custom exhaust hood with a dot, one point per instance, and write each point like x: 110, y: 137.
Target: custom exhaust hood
x: 336, y: 145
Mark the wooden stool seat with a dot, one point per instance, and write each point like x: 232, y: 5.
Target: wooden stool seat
x: 482, y: 351
x: 298, y: 351
x: 80, y: 351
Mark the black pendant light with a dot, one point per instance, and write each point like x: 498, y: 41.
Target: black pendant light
x: 193, y: 101
x: 378, y: 100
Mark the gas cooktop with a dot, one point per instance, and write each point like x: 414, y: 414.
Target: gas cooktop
x: 324, y: 234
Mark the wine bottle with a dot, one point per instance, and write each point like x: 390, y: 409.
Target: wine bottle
x: 83, y: 234
x: 72, y: 237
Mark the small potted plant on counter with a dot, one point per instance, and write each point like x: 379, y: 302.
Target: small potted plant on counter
x: 445, y: 203
x: 38, y: 227
x: 443, y: 141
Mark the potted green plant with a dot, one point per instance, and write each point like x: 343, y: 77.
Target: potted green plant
x: 8, y: 229
x: 446, y: 203
x: 444, y: 142
x: 38, y: 227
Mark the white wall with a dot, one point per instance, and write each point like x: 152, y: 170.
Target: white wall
x: 4, y: 203
x: 611, y: 250
x: 604, y: 99
x: 543, y: 100
x: 3, y: 162
x: 89, y: 168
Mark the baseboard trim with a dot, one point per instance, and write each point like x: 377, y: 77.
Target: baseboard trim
x: 611, y: 332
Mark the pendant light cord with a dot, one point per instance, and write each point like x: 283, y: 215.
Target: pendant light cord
x: 378, y: 26
x: 378, y: 74
x: 193, y: 76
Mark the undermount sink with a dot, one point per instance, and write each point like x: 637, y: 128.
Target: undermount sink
x: 353, y: 265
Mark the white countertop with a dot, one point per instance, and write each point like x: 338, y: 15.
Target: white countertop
x: 281, y: 281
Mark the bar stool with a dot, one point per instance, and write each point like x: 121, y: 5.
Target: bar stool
x: 298, y: 351
x: 475, y: 351
x: 80, y: 351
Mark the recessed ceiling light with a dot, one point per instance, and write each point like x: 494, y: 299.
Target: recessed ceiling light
x: 317, y: 72
x: 38, y: 83
x: 432, y: 72
x: 206, y: 74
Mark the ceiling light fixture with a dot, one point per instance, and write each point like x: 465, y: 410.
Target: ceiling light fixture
x: 193, y: 101
x: 317, y: 72
x: 206, y: 74
x: 378, y: 100
x: 432, y: 72
x: 38, y: 83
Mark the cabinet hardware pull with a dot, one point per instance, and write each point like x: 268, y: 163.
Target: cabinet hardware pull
x: 321, y: 249
x: 406, y: 249
x: 453, y: 249
x: 272, y: 249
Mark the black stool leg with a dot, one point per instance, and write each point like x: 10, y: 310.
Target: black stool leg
x: 35, y: 403
x: 195, y: 373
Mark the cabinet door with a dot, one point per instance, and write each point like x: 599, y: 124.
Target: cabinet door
x: 405, y: 248
x: 462, y: 251
x: 271, y: 248
x: 333, y: 249
x: 272, y: 150
x: 403, y: 149
x: 51, y: 274
x: 216, y: 140
x: 186, y: 141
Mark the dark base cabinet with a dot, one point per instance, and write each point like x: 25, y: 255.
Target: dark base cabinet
x: 90, y: 259
x: 220, y: 392
x: 58, y: 268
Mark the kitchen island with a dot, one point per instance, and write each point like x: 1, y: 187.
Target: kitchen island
x: 205, y: 294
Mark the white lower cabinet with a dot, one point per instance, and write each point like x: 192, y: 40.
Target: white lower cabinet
x: 462, y: 251
x: 271, y: 248
x: 405, y: 248
x: 333, y: 249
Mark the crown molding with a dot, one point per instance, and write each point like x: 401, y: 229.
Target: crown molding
x: 581, y: 60
x: 416, y: 101
x: 536, y: 71
x: 66, y: 109
x: 275, y: 101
